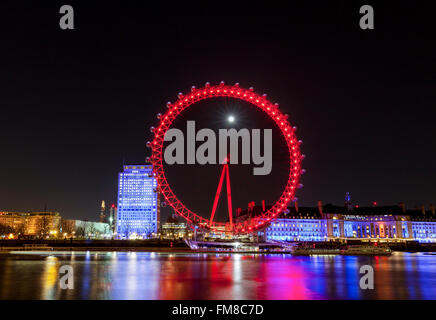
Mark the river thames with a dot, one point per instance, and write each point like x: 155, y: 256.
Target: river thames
x: 148, y: 275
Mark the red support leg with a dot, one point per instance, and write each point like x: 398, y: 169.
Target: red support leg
x: 217, y: 196
x: 218, y: 192
x: 229, y: 197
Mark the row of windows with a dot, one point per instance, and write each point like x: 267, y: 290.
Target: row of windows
x: 297, y: 229
x: 424, y: 227
x: 293, y: 238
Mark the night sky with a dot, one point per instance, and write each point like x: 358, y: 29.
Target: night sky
x: 76, y: 104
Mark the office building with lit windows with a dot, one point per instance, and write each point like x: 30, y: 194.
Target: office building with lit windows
x: 424, y: 230
x: 30, y: 224
x: 297, y: 230
x: 350, y: 222
x: 138, y: 203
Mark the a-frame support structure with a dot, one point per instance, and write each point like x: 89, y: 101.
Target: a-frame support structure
x: 225, y: 172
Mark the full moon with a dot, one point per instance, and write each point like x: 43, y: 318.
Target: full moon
x: 231, y: 118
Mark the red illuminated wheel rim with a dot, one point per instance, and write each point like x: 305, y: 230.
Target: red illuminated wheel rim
x: 271, y: 110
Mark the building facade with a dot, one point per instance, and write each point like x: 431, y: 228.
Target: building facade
x: 81, y: 229
x: 30, y: 224
x: 102, y: 215
x: 173, y: 229
x: 297, y: 230
x: 424, y: 231
x: 138, y: 212
x: 330, y: 223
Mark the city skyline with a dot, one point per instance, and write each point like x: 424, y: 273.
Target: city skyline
x: 362, y: 102
x: 217, y: 159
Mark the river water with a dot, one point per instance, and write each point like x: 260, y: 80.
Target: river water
x: 147, y: 275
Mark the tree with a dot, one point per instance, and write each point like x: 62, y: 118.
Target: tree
x: 92, y: 229
x: 106, y: 230
x: 126, y: 229
x: 148, y: 230
x: 20, y: 230
x: 80, y: 232
x: 6, y: 229
x: 68, y: 226
x: 86, y: 227
x: 44, y: 225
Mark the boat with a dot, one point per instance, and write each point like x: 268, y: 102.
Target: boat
x: 315, y: 251
x: 309, y: 250
x: 351, y: 250
x: 366, y: 250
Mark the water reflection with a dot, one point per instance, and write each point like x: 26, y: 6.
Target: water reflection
x: 141, y: 275
x: 49, y: 278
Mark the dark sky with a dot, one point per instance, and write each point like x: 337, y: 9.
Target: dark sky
x: 76, y: 104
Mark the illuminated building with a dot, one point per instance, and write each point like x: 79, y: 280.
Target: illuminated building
x: 138, y: 203
x: 102, y: 212
x: 32, y: 224
x: 297, y: 230
x: 333, y: 223
x: 49, y: 225
x: 12, y: 222
x: 43, y: 223
x: 82, y: 229
x: 424, y: 231
x: 112, y: 217
x: 173, y: 229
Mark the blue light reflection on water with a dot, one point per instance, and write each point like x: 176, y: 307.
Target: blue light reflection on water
x: 427, y: 278
x: 86, y: 276
x: 145, y: 275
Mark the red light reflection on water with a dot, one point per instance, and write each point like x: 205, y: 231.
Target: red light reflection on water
x: 235, y: 277
x: 281, y: 280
